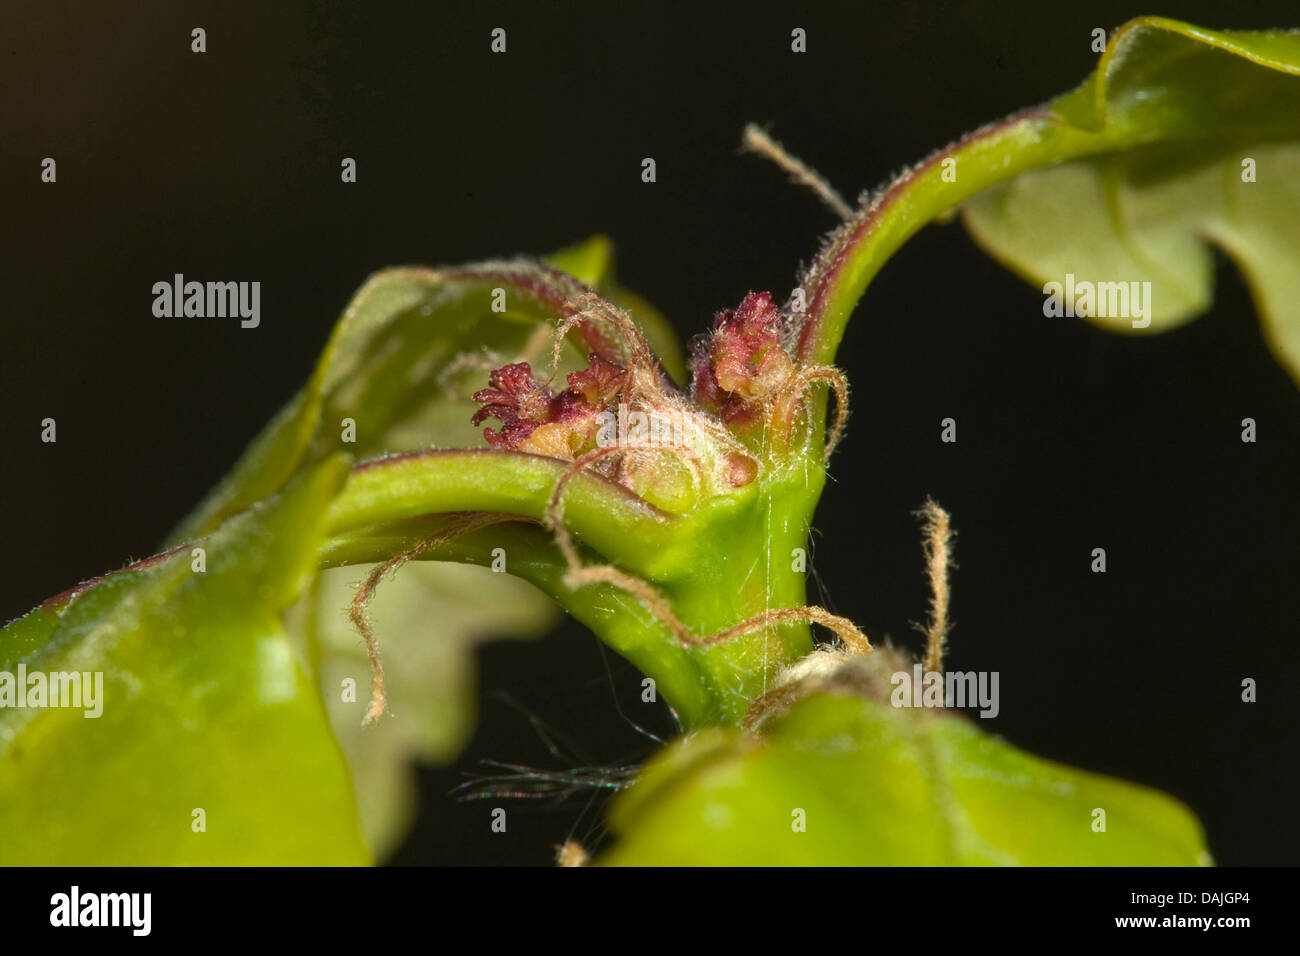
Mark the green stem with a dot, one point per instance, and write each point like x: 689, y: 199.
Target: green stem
x: 730, y: 560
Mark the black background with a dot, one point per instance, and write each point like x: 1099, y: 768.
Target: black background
x: 226, y: 165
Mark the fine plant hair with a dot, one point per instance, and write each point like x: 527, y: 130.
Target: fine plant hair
x: 571, y: 853
x: 757, y: 141
x: 938, y: 558
x: 792, y: 390
x: 843, y: 670
x: 461, y: 524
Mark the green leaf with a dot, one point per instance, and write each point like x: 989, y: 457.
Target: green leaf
x: 1146, y: 216
x: 409, y: 351
x: 879, y: 785
x: 206, y: 706
x: 430, y: 617
x: 1165, y: 120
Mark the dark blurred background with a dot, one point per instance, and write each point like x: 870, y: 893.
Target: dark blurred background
x: 226, y: 165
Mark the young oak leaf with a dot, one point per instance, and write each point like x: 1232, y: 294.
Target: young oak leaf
x: 1129, y: 176
x: 839, y: 777
x: 211, y: 746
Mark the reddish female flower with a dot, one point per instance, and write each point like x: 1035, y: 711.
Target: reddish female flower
x: 742, y: 361
x: 535, y: 419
